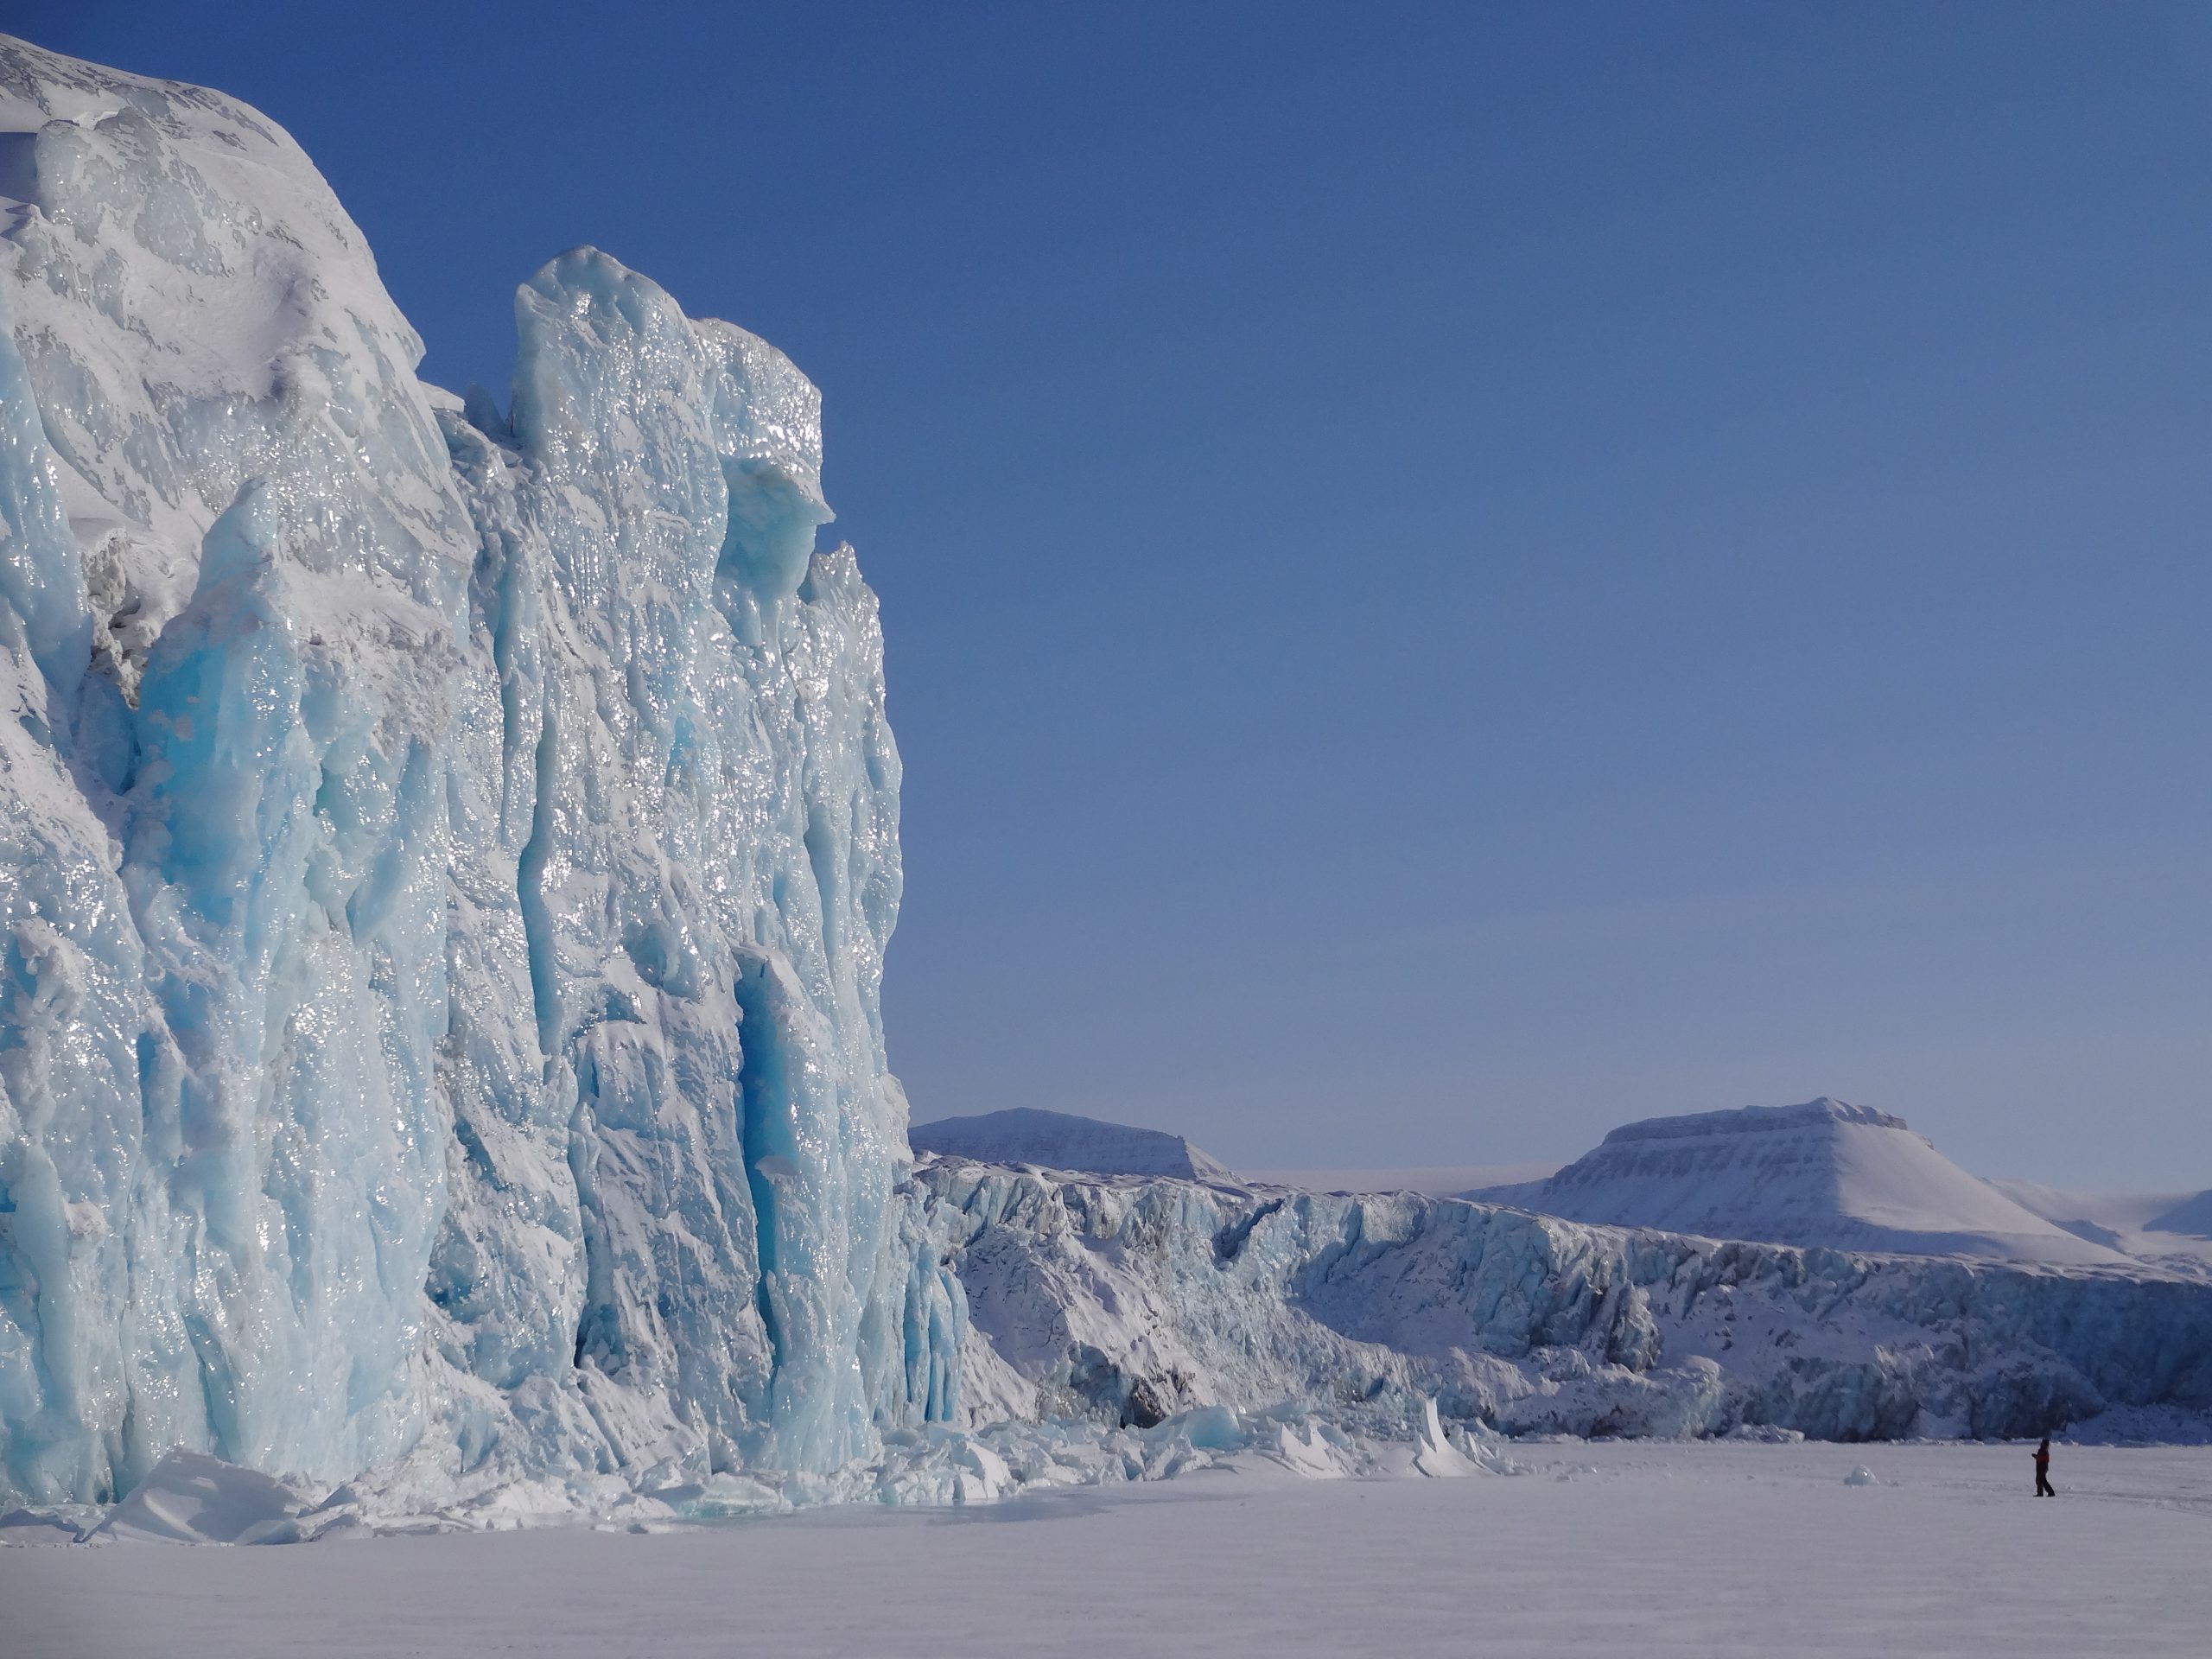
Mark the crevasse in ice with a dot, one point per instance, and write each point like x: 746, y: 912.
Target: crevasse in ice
x: 445, y: 858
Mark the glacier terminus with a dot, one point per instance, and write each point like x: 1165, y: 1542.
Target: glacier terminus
x: 449, y: 858
x: 447, y: 850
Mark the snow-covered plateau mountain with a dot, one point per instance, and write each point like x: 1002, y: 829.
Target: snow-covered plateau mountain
x: 1063, y: 1140
x: 1825, y: 1174
x: 446, y: 853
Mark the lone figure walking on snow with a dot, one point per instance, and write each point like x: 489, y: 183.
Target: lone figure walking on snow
x: 2043, y: 1487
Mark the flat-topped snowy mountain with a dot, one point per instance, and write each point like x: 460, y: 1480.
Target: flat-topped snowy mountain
x: 1062, y: 1141
x: 1825, y: 1173
x: 1436, y: 1180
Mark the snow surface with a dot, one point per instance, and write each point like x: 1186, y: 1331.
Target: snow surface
x: 1063, y: 1140
x: 1755, y: 1552
x: 191, y: 1498
x: 1826, y: 1173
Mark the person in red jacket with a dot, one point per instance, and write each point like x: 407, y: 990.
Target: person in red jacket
x: 2043, y: 1470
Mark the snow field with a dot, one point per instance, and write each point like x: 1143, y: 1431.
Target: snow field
x: 1626, y: 1547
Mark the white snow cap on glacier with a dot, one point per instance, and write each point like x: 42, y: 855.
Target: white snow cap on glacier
x: 1063, y: 1140
x: 1825, y: 1173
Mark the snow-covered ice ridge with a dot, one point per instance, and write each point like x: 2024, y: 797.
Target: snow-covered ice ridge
x: 1125, y: 1300
x: 445, y: 857
x: 1825, y: 1173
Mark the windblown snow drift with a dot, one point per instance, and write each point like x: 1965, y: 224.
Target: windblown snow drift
x: 446, y: 860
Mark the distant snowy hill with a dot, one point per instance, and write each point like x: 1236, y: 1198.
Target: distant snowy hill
x: 1063, y: 1140
x: 1434, y: 1181
x: 1825, y: 1173
x: 2172, y: 1230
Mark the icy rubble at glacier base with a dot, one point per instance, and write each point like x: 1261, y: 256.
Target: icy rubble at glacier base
x: 449, y: 855
x: 190, y: 1498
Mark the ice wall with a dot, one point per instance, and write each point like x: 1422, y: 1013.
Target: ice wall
x: 445, y: 858
x: 1129, y: 1300
x: 684, y: 797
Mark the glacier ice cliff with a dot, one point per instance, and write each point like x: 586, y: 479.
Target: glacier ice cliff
x: 1133, y: 1302
x: 448, y: 856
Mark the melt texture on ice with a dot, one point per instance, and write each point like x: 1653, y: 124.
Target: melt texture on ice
x: 1063, y: 1140
x: 1824, y: 1174
x: 446, y: 859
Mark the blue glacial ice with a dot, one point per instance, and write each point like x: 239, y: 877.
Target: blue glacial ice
x: 450, y: 856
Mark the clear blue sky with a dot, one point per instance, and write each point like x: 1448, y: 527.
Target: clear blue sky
x: 1455, y: 575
